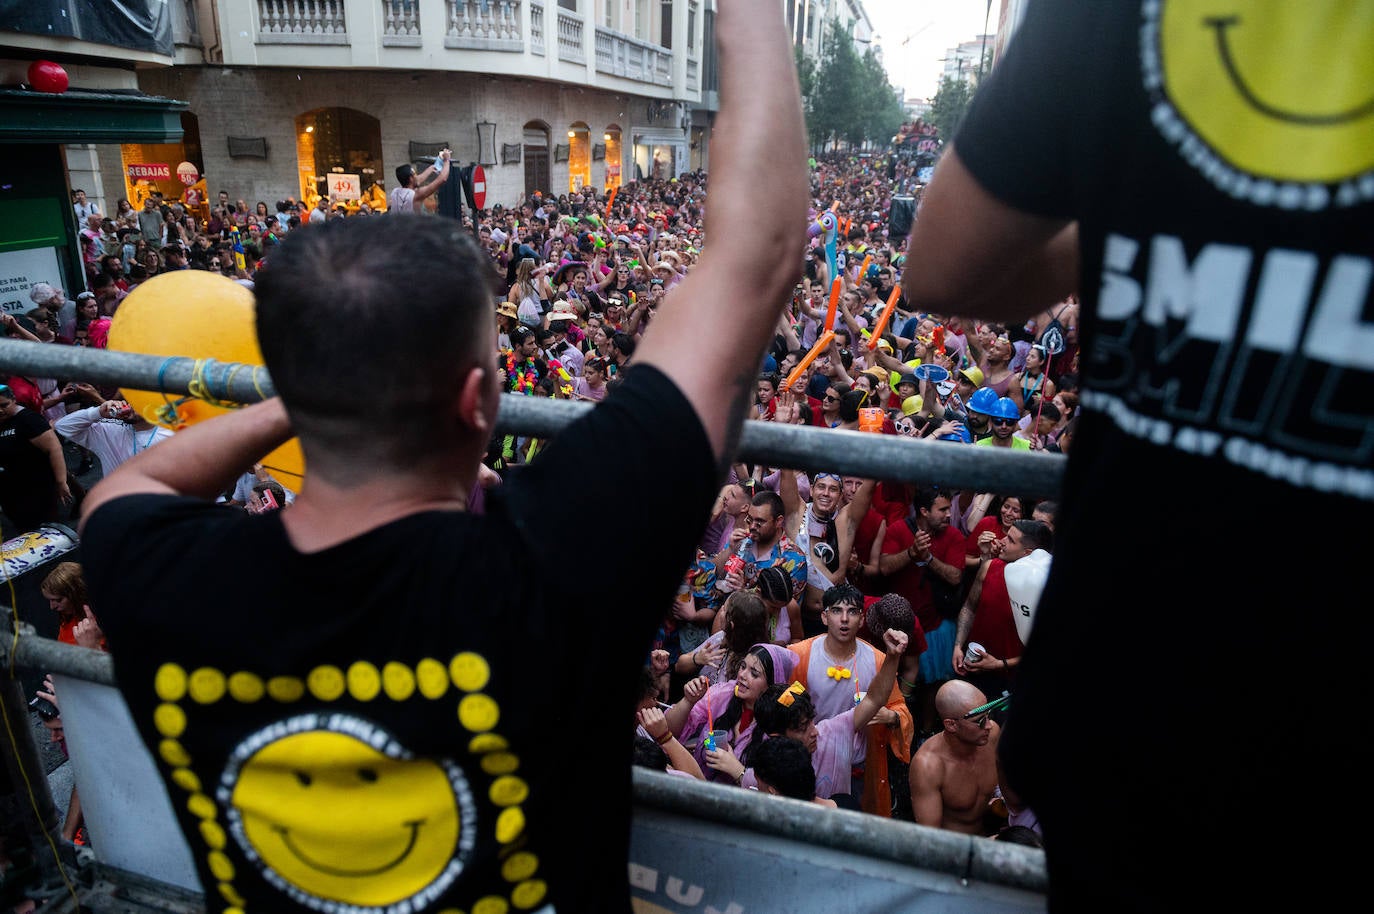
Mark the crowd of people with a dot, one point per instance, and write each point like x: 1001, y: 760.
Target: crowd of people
x: 823, y: 560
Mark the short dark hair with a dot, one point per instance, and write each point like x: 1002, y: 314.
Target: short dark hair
x: 404, y: 174
x: 843, y: 593
x: 786, y: 765
x: 770, y: 500
x: 924, y: 498
x: 850, y: 403
x: 649, y: 754
x: 1035, y: 533
x: 625, y: 343
x: 329, y: 294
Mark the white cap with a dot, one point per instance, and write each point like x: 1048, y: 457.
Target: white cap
x: 498, y: 236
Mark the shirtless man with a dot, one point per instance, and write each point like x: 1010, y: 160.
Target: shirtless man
x: 823, y: 530
x: 954, y: 773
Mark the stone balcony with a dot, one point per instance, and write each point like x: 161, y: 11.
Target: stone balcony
x: 516, y: 27
x: 621, y: 55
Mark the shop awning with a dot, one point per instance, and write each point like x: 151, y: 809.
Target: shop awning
x: 83, y: 116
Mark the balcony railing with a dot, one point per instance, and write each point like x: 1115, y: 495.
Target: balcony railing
x: 618, y: 54
x: 401, y: 23
x: 537, y: 29
x: 570, y: 37
x: 302, y: 22
x: 484, y: 25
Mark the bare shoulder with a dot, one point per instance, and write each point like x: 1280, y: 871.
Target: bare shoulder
x: 929, y: 761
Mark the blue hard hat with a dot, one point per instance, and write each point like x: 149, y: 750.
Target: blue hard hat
x: 1005, y: 408
x: 983, y: 401
x: 962, y: 436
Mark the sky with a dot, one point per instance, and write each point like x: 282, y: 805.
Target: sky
x: 928, y: 28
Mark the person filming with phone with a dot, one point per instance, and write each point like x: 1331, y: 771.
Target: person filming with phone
x: 412, y: 189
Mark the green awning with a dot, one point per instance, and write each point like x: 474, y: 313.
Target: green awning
x: 82, y: 116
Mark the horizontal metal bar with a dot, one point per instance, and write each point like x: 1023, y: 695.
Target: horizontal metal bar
x: 937, y: 850
x: 803, y: 447
x: 44, y: 655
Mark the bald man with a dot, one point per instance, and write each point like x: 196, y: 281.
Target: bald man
x: 954, y: 773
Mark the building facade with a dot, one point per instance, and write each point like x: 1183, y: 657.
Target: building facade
x: 326, y: 98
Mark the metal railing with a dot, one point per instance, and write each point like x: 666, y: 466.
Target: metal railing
x: 858, y: 453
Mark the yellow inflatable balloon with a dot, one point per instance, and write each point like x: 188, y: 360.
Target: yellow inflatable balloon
x: 200, y: 315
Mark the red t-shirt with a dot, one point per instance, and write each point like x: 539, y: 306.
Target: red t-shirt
x: 994, y: 626
x: 911, y: 580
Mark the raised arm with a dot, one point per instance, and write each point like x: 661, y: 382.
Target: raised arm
x: 974, y: 250
x: 429, y: 189
x: 759, y: 166
x: 880, y: 688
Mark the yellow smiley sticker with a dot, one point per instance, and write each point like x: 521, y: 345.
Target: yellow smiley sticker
x: 1263, y: 96
x: 333, y: 810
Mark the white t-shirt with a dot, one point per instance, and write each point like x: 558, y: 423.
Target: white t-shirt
x: 401, y: 200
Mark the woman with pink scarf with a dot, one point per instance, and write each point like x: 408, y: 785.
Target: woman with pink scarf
x: 728, y: 706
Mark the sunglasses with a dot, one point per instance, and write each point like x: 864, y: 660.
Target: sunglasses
x: 829, y: 399
x: 1003, y: 421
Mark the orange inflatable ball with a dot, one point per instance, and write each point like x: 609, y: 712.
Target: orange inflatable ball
x: 198, y: 315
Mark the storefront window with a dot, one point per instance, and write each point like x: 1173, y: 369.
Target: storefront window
x: 579, y: 157
x: 614, y: 155
x: 339, y: 156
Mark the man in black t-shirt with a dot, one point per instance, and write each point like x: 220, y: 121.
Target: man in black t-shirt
x: 350, y: 701
x: 1204, y: 175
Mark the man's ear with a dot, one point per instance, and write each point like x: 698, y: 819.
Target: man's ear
x: 474, y: 407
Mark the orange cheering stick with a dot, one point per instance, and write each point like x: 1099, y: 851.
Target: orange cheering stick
x: 821, y: 344
x: 863, y: 268
x: 884, y: 317
x: 834, y: 303
x: 610, y: 201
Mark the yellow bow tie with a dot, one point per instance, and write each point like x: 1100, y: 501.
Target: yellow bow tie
x: 838, y: 672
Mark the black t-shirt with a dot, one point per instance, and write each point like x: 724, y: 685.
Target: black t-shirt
x: 26, y: 483
x: 436, y: 712
x: 1227, y: 373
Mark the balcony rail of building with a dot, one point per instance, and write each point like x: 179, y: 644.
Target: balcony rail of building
x: 478, y: 25
x: 484, y: 25
x: 570, y: 37
x: 537, y: 28
x: 618, y: 54
x: 302, y: 22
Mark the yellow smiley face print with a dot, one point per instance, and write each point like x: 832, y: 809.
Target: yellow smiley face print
x: 336, y: 813
x: 1279, y: 90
